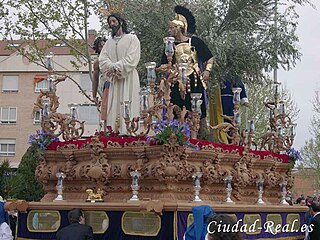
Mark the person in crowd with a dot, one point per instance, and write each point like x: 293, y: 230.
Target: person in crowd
x: 198, y: 229
x: 314, y: 233
x: 118, y: 60
x: 308, y: 215
x: 192, y: 50
x: 77, y: 228
x: 218, y: 225
x: 5, y: 231
x: 97, y: 46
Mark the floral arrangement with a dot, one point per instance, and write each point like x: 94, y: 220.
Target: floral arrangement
x: 41, y: 139
x: 165, y: 128
x: 108, y: 133
x: 294, y: 155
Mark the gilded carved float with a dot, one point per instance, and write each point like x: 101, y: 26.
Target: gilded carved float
x: 166, y: 171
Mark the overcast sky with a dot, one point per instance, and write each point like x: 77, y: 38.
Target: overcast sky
x: 304, y: 79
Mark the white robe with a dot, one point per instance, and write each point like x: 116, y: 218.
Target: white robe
x: 5, y: 232
x: 124, y: 54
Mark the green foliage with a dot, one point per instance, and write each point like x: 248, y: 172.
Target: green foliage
x: 25, y: 185
x: 311, y: 150
x: 4, y: 177
x: 247, y: 37
x: 205, y: 134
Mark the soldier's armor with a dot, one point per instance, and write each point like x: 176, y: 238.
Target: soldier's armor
x: 185, y: 53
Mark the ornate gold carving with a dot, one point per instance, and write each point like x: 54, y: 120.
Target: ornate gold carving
x: 112, y: 8
x: 54, y: 123
x: 166, y: 171
x: 271, y: 176
x: 99, y: 170
x: 229, y: 129
x: 243, y: 175
x: 43, y: 172
x: 212, y: 171
x: 94, y: 197
x: 68, y: 147
x: 172, y: 166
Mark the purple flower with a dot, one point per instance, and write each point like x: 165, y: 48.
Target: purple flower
x: 294, y: 154
x: 41, y: 139
x: 165, y: 128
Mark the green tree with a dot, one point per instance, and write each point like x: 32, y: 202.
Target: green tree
x: 247, y: 37
x: 25, y: 185
x: 4, y: 177
x: 311, y: 150
x: 242, y: 34
x: 55, y: 22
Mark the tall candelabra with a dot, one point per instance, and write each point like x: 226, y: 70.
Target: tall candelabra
x: 283, y: 191
x: 135, y: 185
x: 260, y: 183
x: 61, y: 176
x: 228, y: 184
x: 54, y: 123
x: 196, y: 185
x: 281, y: 131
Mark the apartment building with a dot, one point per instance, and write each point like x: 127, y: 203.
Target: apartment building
x: 20, y: 84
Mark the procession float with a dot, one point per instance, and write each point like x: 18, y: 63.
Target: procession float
x: 143, y: 185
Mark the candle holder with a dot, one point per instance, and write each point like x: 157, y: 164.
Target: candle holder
x: 283, y: 190
x: 169, y: 48
x: 61, y: 176
x: 236, y: 97
x: 194, y: 115
x: 49, y: 61
x: 228, y: 184
x: 126, y: 106
x: 276, y: 93
x: 132, y: 126
x: 73, y: 111
x: 196, y: 102
x: 151, y: 71
x: 144, y: 103
x: 236, y: 118
x: 260, y: 183
x: 196, y: 186
x: 45, y: 111
x: 51, y: 85
x: 183, y: 67
x: 135, y: 185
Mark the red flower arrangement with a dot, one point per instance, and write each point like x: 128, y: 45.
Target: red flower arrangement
x: 108, y: 133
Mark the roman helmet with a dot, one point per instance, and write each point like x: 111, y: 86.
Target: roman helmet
x: 184, y: 19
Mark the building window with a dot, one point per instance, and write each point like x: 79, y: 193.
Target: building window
x: 60, y: 45
x: 42, y: 85
x: 13, y: 45
x: 8, y: 115
x: 85, y: 82
x: 88, y: 113
x: 7, y: 147
x: 37, y: 117
x: 10, y: 84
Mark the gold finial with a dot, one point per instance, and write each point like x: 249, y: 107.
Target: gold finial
x: 112, y: 8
